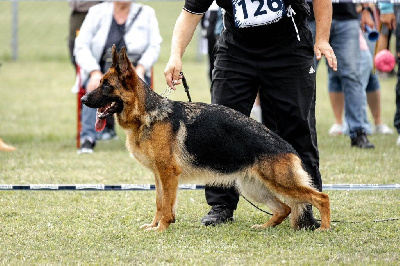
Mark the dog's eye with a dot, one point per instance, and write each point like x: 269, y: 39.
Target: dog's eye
x: 107, y: 89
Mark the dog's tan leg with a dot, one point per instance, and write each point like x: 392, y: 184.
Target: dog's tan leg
x: 158, y: 215
x: 279, y: 210
x: 321, y: 202
x: 317, y: 199
x: 169, y: 185
x: 285, y: 176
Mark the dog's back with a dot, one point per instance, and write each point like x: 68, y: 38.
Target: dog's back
x: 224, y: 140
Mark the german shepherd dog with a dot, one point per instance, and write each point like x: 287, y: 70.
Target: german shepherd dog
x: 207, y: 143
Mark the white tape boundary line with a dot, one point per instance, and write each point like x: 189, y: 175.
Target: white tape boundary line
x: 143, y: 187
x: 333, y: 1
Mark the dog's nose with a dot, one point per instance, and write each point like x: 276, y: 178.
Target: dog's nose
x: 84, y: 99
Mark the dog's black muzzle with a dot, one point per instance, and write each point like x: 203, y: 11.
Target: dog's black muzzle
x: 84, y: 99
x: 94, y: 99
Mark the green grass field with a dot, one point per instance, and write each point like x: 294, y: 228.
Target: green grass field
x: 38, y: 116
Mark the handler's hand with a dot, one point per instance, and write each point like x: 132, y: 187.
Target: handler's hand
x: 366, y: 19
x: 389, y: 20
x: 140, y: 71
x: 94, y: 80
x: 172, y: 71
x: 324, y: 48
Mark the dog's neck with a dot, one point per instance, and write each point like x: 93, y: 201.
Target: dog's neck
x: 148, y: 108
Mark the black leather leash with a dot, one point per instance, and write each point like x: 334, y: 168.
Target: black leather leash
x: 185, y: 85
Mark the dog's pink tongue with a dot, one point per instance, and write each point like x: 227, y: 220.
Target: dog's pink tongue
x: 100, y: 124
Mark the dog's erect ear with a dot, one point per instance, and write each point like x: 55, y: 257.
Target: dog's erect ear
x: 114, y: 53
x: 126, y: 69
x: 123, y: 61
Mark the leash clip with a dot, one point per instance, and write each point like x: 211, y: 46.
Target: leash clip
x: 167, y: 92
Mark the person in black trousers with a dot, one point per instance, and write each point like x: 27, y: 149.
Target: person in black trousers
x: 265, y: 47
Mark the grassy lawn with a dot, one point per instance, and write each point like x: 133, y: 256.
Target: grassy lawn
x: 38, y: 116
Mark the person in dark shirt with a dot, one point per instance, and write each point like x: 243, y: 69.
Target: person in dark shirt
x: 265, y: 47
x: 344, y: 38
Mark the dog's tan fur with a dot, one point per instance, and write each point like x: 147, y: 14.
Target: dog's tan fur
x: 158, y: 139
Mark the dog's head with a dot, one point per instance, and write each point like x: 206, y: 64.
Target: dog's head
x: 117, y: 82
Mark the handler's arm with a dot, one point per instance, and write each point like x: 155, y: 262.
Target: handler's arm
x: 181, y: 37
x: 323, y: 20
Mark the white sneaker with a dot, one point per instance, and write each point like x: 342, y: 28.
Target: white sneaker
x: 398, y: 141
x: 335, y: 130
x: 382, y: 129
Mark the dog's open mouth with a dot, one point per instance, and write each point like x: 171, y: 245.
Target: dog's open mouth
x: 104, y: 112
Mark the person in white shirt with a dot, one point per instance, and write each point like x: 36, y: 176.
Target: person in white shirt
x: 122, y: 23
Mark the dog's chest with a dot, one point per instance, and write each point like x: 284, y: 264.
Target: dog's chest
x: 135, y: 150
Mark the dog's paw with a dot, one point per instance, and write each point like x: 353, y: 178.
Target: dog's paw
x: 156, y: 229
x: 321, y: 229
x: 152, y: 227
x: 258, y: 226
x: 148, y: 226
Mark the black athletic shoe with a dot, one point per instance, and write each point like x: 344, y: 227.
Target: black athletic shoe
x: 361, y: 141
x: 86, y: 147
x: 217, y: 215
x: 307, y: 220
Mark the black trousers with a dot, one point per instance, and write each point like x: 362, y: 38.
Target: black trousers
x: 282, y: 71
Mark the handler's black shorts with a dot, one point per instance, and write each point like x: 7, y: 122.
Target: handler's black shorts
x: 282, y: 70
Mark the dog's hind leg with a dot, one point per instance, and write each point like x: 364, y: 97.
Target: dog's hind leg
x: 286, y: 177
x: 256, y: 190
x: 317, y: 199
x: 279, y: 213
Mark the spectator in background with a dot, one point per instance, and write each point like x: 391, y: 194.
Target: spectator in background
x: 122, y: 23
x: 344, y: 39
x: 384, y: 40
x: 79, y: 9
x: 370, y: 84
x: 390, y: 16
x: 6, y: 147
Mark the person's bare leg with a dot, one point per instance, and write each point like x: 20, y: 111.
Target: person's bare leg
x: 382, y: 43
x: 337, y: 103
x: 374, y: 103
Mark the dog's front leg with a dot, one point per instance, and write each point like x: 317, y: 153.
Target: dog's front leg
x: 158, y: 215
x: 169, y: 176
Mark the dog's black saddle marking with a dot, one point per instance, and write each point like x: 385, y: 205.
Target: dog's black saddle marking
x: 225, y: 140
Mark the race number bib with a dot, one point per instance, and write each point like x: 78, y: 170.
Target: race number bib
x: 252, y: 13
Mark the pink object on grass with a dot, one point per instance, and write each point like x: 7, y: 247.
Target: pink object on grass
x: 384, y: 61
